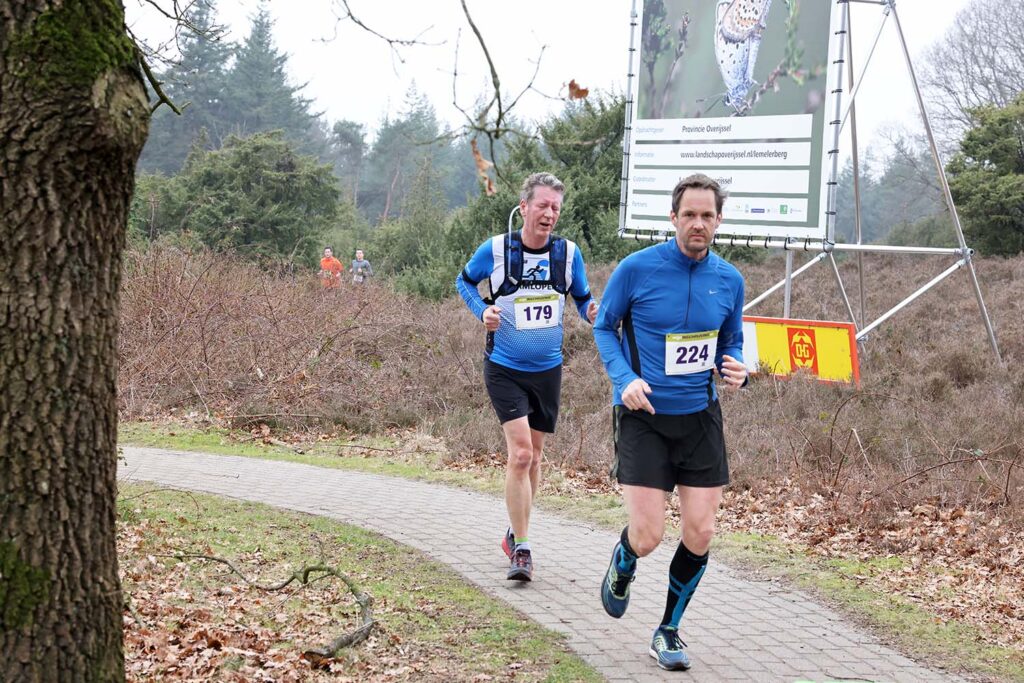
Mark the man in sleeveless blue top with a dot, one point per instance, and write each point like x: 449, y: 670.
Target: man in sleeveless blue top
x: 528, y: 274
x: 671, y: 318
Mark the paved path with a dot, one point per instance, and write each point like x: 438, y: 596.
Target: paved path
x: 738, y: 630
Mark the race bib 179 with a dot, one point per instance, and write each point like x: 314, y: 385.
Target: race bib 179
x: 689, y: 353
x: 536, y: 312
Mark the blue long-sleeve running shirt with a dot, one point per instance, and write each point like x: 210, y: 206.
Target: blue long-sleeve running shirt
x: 530, y: 335
x: 666, y: 319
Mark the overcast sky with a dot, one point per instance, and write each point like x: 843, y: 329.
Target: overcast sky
x: 353, y: 75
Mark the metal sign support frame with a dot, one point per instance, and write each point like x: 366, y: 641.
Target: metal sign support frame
x: 827, y: 248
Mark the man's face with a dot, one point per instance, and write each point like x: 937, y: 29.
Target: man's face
x: 540, y: 214
x: 696, y: 219
x: 359, y: 255
x: 328, y: 253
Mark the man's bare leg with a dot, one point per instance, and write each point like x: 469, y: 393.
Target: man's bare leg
x: 646, y: 509
x: 519, y: 474
x: 698, y: 508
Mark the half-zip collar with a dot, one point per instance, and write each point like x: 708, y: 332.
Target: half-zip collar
x: 690, y: 265
x: 678, y: 253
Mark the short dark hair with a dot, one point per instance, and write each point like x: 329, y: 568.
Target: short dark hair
x: 698, y: 181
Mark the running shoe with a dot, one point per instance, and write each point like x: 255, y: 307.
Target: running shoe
x: 615, y: 587
x: 667, y: 648
x: 522, y: 566
x: 508, y: 544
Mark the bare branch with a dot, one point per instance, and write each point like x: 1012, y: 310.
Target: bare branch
x: 303, y: 576
x: 346, y: 14
x: 496, y: 98
x: 533, y: 78
x: 154, y: 83
x: 481, y: 121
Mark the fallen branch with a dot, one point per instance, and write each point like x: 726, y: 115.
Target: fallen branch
x: 163, y: 488
x: 926, y: 470
x: 302, y: 576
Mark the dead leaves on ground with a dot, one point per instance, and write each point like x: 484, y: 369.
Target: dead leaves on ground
x: 958, y: 564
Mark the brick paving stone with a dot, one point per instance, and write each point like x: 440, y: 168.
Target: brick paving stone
x: 737, y: 629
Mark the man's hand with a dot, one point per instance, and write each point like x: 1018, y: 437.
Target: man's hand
x: 592, y: 311
x: 734, y: 373
x: 634, y: 396
x: 492, y: 318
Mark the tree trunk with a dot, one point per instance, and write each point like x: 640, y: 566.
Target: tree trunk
x: 73, y: 118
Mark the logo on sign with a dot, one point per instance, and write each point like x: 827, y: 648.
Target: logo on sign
x: 802, y: 353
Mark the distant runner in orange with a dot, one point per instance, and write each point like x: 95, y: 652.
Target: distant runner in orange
x: 330, y: 270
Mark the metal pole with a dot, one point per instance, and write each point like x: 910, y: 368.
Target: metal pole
x: 830, y: 212
x: 859, y: 233
x: 945, y: 190
x: 906, y: 302
x: 864, y: 70
x: 788, y: 296
x: 771, y: 290
x: 808, y: 245
x: 627, y: 134
x: 842, y: 290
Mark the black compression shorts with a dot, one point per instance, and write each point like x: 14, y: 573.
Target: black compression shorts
x: 662, y: 451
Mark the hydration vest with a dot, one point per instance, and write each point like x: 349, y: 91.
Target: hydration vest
x: 513, y: 275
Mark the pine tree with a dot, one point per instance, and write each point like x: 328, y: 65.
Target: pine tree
x: 987, y: 179
x: 347, y: 149
x: 197, y: 84
x: 398, y: 151
x: 260, y: 98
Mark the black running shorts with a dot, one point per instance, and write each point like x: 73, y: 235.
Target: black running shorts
x: 517, y: 393
x: 662, y: 451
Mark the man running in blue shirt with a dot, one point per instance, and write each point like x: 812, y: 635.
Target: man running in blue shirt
x: 680, y: 309
x: 528, y: 274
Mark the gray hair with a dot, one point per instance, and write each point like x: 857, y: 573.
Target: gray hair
x: 534, y: 180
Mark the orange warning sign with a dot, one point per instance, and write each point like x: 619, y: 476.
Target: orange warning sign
x: 780, y: 346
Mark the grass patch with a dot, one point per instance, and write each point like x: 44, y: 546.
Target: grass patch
x: 196, y: 620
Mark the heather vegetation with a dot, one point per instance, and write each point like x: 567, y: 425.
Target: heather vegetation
x: 935, y: 418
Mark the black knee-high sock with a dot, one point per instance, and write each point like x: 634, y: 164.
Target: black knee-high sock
x: 683, y: 576
x: 626, y: 561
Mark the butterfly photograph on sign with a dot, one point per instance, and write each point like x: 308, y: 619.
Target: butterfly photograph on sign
x: 737, y: 90
x: 702, y: 58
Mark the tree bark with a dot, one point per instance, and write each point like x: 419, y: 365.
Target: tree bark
x: 73, y: 119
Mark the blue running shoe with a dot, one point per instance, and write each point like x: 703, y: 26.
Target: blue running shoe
x: 668, y: 650
x: 521, y: 568
x: 615, y: 587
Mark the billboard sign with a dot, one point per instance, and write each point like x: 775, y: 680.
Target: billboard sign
x: 738, y: 90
